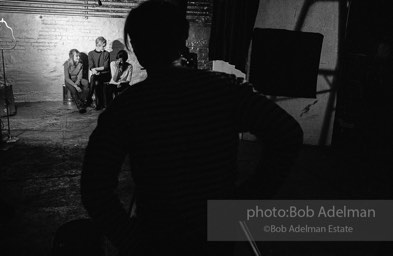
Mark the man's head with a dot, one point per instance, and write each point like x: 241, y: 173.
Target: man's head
x: 122, y: 56
x: 100, y: 43
x: 157, y: 31
x: 74, y: 56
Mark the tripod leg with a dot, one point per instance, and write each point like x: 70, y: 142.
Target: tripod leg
x: 10, y: 138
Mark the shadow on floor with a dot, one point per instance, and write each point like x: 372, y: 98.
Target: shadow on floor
x: 40, y: 174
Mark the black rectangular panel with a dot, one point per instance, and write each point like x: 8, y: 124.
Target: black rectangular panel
x: 285, y: 63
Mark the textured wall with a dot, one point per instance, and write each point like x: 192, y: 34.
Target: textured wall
x: 199, y: 13
x: 44, y: 40
x: 315, y: 115
x: 43, y: 43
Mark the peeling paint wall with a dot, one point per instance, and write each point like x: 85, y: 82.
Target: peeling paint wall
x: 199, y: 14
x: 35, y: 66
x: 314, y: 115
x: 198, y: 42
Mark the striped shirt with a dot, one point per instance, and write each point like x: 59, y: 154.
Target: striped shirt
x: 180, y: 128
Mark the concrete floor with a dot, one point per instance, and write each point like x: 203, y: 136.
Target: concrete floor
x: 40, y: 174
x: 52, y: 123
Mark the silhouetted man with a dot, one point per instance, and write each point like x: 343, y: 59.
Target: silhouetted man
x: 181, y: 128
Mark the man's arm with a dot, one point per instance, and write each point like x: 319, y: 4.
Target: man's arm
x: 67, y: 78
x: 279, y: 134
x: 103, y: 159
x: 91, y: 61
x: 129, y: 75
x: 79, y: 76
x: 114, y: 72
x: 92, y: 66
x: 106, y: 63
x: 67, y: 75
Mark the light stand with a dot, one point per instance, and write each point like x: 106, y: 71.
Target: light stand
x: 10, y: 139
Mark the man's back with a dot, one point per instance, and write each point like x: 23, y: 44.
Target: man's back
x: 183, y: 141
x: 180, y: 127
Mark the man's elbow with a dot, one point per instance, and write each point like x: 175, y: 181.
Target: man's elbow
x: 87, y: 191
x: 297, y: 138
x: 299, y: 134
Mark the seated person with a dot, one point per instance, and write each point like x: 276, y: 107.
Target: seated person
x: 99, y: 67
x: 73, y: 70
x: 121, y: 72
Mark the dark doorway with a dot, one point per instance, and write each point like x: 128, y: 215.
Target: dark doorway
x: 369, y: 24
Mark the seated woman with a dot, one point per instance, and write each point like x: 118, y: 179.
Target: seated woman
x: 121, y: 72
x: 73, y: 70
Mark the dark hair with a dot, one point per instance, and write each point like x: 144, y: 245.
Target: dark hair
x: 122, y: 54
x: 158, y: 31
x: 71, y: 53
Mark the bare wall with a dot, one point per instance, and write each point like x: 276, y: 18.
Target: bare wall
x: 35, y: 66
x: 316, y: 116
x: 43, y: 41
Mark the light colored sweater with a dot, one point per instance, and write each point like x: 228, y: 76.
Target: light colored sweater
x: 119, y: 77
